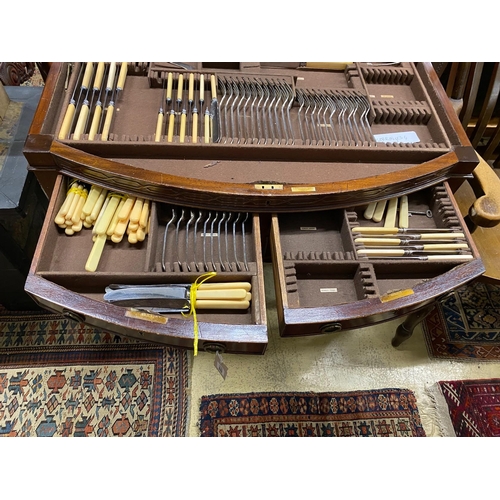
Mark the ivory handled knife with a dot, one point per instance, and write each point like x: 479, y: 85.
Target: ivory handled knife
x: 404, y: 241
x: 437, y: 233
x: 176, y: 297
x: 433, y: 246
x: 441, y: 257
x: 397, y: 252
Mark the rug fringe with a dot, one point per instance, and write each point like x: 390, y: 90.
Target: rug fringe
x: 439, y: 414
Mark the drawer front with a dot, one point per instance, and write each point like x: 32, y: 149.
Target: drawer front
x: 181, y: 245
x: 334, y: 272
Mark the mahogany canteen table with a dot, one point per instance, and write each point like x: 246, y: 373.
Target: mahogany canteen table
x: 253, y: 163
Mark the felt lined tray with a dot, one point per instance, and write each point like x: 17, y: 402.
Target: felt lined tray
x: 320, y: 267
x: 58, y: 271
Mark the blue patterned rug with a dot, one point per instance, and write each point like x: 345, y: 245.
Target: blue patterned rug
x: 63, y: 378
x: 466, y: 325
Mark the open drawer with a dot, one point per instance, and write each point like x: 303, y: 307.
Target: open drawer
x: 196, y: 242
x: 334, y: 272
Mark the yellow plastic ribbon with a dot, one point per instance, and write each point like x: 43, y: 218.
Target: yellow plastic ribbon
x: 80, y: 191
x: 192, y: 300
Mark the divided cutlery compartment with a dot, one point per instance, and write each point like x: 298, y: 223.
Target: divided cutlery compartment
x: 250, y: 105
x: 259, y: 137
x: 59, y: 281
x: 327, y: 279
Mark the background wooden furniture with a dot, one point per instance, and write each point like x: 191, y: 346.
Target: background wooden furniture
x: 474, y: 89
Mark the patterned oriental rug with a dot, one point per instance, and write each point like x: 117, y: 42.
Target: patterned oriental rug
x: 473, y: 406
x: 466, y: 325
x: 374, y: 413
x: 63, y: 378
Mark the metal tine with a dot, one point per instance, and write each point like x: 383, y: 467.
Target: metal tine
x: 221, y: 82
x: 265, y: 111
x: 226, y: 241
x: 171, y: 221
x: 223, y: 268
x: 316, y: 127
x: 342, y: 123
x: 350, y: 112
x: 361, y: 106
x: 212, y: 241
x: 238, y: 266
x: 333, y: 107
x: 191, y: 219
x: 301, y: 101
x: 236, y: 94
x: 244, y: 242
x: 354, y: 103
x: 309, y: 127
x: 351, y: 121
x: 277, y: 93
x: 248, y: 93
x: 226, y: 124
x: 272, y: 96
x: 181, y: 218
x: 239, y: 120
x: 326, y: 125
x: 253, y: 90
x: 260, y: 93
x: 195, y: 232
x: 280, y: 115
x: 364, y: 118
x: 284, y: 96
x: 321, y: 128
x: 224, y: 110
x: 209, y: 216
x: 289, y: 107
x: 306, y: 121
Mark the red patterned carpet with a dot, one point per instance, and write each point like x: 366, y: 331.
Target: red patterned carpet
x: 473, y: 406
x: 62, y: 378
x: 374, y: 413
x: 466, y: 325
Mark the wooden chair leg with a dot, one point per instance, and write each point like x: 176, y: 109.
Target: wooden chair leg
x: 405, y: 329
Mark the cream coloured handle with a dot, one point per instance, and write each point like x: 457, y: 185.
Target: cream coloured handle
x: 222, y: 304
x: 213, y: 86
x: 68, y: 118
x: 111, y: 76
x: 191, y: 87
x: 159, y: 126
x: 195, y: 128
x: 378, y: 215
x: 228, y: 294
x: 168, y: 93
x: 403, y: 212
x: 107, y: 123
x: 390, y: 217
x: 225, y: 286
x: 89, y: 69
x: 370, y: 210
x: 171, y: 121
x: 122, y: 76
x: 80, y: 124
x: 95, y: 253
x: 95, y: 122
x: 332, y: 66
x: 98, y: 75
